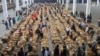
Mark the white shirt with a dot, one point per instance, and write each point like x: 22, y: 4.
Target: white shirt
x: 82, y: 24
x: 78, y: 18
x: 46, y: 53
x: 72, y: 23
x: 68, y: 15
x: 68, y: 29
x: 87, y: 28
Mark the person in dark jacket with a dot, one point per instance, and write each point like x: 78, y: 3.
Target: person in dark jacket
x: 9, y: 20
x: 39, y: 32
x: 1, y: 54
x: 99, y: 22
x: 98, y: 39
x: 93, y: 48
x: 47, y: 52
x: 56, y: 51
x: 79, y: 53
x: 91, y: 33
x: 73, y: 26
x: 21, y: 53
x: 90, y: 18
x: 83, y: 49
x: 13, y: 20
x: 20, y: 32
x: 6, y: 24
x: 43, y: 51
x: 31, y: 32
x: 29, y: 48
x: 64, y: 51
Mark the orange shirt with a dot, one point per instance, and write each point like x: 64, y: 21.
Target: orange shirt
x: 34, y: 15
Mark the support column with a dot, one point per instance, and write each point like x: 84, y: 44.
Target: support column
x: 74, y: 6
x: 62, y: 2
x: 67, y: 4
x: 88, y: 8
x: 30, y: 2
x: 82, y: 1
x: 17, y: 5
x: 59, y: 1
x: 5, y: 11
x: 10, y: 1
x: 33, y: 1
x: 27, y: 6
x: 98, y: 2
x: 23, y: 1
x: 14, y: 1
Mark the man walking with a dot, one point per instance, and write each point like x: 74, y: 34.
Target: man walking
x: 9, y: 20
x: 6, y: 24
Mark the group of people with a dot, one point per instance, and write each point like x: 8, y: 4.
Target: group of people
x: 22, y: 52
x: 65, y: 51
x: 10, y: 21
x: 39, y: 29
x: 45, y: 51
x: 87, y: 19
x: 82, y: 15
x: 80, y: 50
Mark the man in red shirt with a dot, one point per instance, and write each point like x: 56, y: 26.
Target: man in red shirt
x: 34, y: 15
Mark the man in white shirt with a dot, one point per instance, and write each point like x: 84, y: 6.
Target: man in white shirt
x: 68, y: 30
x: 86, y: 29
